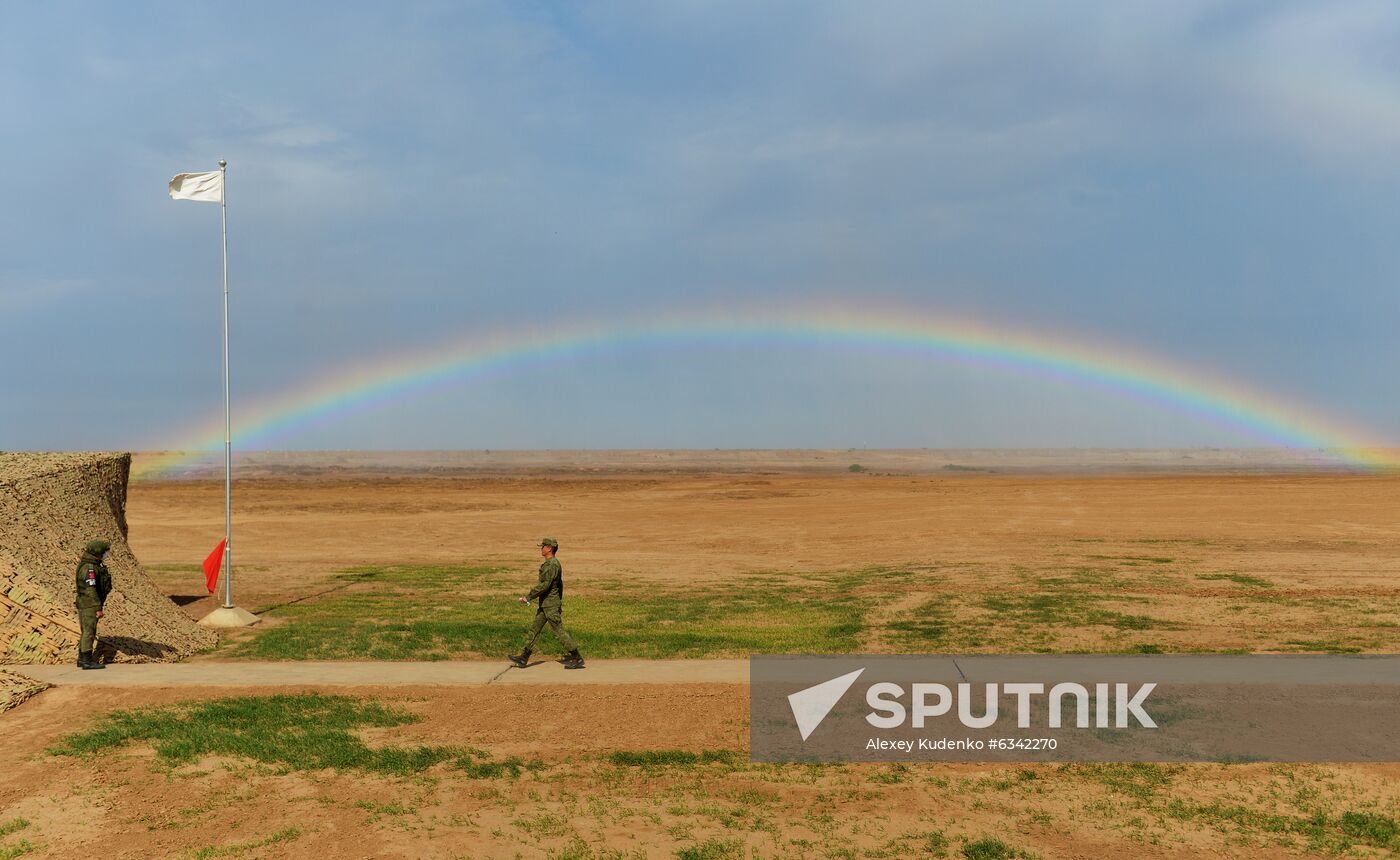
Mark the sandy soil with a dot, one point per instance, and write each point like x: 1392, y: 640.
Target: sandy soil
x: 127, y: 807
x: 125, y: 810
x: 788, y: 461
x: 1320, y: 536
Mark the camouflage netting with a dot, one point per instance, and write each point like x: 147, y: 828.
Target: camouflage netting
x: 51, y: 505
x: 16, y: 689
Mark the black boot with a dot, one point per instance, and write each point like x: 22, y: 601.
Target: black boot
x: 521, y: 660
x: 86, y: 661
x: 574, y: 660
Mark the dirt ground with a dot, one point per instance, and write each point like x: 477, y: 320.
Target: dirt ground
x: 127, y: 810
x: 1320, y: 534
x: 572, y: 803
x: 1316, y: 535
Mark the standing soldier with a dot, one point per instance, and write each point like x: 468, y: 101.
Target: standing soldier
x: 94, y: 583
x: 550, y: 594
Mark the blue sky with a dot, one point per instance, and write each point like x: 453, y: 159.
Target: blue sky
x: 1212, y: 183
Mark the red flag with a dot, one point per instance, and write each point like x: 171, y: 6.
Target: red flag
x: 212, y: 565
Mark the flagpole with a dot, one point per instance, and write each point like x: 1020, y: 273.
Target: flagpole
x: 228, y: 424
x: 200, y: 186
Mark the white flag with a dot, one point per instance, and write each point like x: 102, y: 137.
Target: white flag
x: 198, y: 186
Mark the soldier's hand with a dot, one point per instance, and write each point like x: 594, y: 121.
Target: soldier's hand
x: 525, y: 600
x: 99, y: 613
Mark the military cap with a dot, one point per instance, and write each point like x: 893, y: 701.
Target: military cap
x: 98, y: 547
x: 550, y: 542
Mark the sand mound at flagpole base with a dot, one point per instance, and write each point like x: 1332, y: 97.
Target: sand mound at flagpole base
x: 16, y: 689
x: 51, y: 505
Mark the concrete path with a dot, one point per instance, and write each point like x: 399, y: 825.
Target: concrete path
x: 1169, y: 668
x: 339, y: 674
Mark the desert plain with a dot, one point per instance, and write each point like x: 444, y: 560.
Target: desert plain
x: 703, y: 556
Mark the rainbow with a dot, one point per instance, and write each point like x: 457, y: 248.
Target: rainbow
x: 1171, y: 385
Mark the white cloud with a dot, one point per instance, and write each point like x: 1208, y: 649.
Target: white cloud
x: 17, y: 295
x: 278, y: 126
x: 1326, y: 76
x: 298, y: 135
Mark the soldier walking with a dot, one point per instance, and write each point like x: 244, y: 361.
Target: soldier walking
x: 94, y: 583
x: 549, y: 591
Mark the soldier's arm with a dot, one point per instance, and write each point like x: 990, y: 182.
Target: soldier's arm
x: 551, y: 573
x: 104, y: 586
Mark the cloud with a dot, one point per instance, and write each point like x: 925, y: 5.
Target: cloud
x: 1325, y: 76
x: 276, y: 125
x: 21, y: 295
x: 986, y: 89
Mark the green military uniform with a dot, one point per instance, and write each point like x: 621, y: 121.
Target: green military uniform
x: 550, y: 594
x: 93, y: 583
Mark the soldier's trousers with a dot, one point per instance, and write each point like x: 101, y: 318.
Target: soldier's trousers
x: 554, y: 616
x: 87, y: 619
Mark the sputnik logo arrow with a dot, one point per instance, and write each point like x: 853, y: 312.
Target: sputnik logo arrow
x: 810, y: 706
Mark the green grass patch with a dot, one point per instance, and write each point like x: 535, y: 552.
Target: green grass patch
x: 1031, y: 616
x: 423, y: 612
x: 1238, y: 578
x: 393, y: 807
x: 927, y: 629
x: 299, y: 732
x: 1369, y: 828
x: 1140, y: 780
x: 915, y: 844
x: 577, y: 849
x: 672, y: 758
x: 1322, y: 832
x: 1063, y: 608
x: 1330, y: 646
x: 544, y: 825
x: 1246, y: 819
x: 488, y: 769
x: 19, y: 849
x: 713, y: 849
x: 434, y: 576
x: 1095, y: 578
x: 242, y: 848
x: 990, y: 848
x: 892, y: 775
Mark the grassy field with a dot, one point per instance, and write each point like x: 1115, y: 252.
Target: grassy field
x: 293, y: 732
x: 439, y: 613
x: 1138, y: 603
x: 711, y: 803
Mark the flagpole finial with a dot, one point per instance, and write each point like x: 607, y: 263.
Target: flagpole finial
x: 222, y: 164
